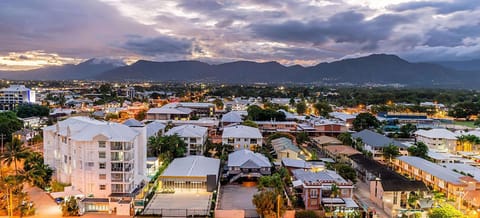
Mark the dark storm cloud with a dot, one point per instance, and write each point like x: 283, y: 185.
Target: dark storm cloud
x: 161, y: 45
x: 349, y: 27
x: 440, y: 7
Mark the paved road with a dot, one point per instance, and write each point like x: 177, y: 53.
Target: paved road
x: 362, y: 193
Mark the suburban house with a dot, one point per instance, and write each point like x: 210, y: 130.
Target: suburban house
x: 374, y: 143
x: 155, y: 128
x: 451, y: 183
x: 232, y: 117
x: 169, y: 113
x: 105, y: 160
x: 242, y: 137
x: 246, y: 163
x: 284, y: 148
x: 438, y: 139
x: 317, y: 189
x: 340, y: 153
x: 194, y: 136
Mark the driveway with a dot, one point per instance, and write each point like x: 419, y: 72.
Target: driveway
x: 362, y: 193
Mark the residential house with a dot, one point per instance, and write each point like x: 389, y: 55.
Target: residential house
x: 284, y: 148
x: 317, y: 189
x: 374, y: 143
x: 246, y: 163
x: 340, y: 153
x: 194, y: 136
x: 270, y: 127
x: 242, y: 137
x: 232, y: 117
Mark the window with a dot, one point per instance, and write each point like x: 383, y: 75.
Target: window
x: 253, y: 141
x: 103, y: 187
x: 90, y: 164
x: 65, y: 158
x: 231, y: 141
x: 101, y: 165
x: 313, y: 193
x: 102, y: 176
x: 101, y: 154
x: 101, y: 144
x: 193, y: 140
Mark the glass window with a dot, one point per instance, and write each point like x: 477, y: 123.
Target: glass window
x: 103, y: 187
x: 101, y: 165
x: 101, y: 144
x: 90, y: 164
x: 101, y: 154
x: 102, y: 176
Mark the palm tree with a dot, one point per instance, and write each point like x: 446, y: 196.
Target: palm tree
x: 389, y: 152
x: 14, y: 153
x: 35, y: 171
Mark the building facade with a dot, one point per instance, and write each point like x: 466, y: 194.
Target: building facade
x: 194, y: 136
x: 242, y: 137
x: 14, y: 95
x: 105, y: 161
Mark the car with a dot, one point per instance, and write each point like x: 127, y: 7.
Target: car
x: 59, y: 200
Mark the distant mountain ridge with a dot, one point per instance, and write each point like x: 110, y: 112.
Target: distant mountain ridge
x: 375, y: 68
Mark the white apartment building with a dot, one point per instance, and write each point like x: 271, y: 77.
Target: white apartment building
x: 105, y: 161
x: 14, y: 95
x: 194, y: 136
x: 242, y: 137
x: 438, y: 139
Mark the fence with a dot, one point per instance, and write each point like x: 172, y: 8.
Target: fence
x: 176, y: 212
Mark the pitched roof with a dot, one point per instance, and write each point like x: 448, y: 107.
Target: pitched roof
x: 247, y: 159
x: 85, y: 129
x: 375, y: 139
x: 433, y: 169
x: 232, y: 117
x: 133, y: 123
x: 325, y: 176
x: 437, y: 133
x: 326, y: 140
x: 341, y: 149
x: 296, y: 163
x: 154, y: 127
x: 391, y: 181
x: 241, y: 131
x: 192, y: 166
x: 188, y: 131
x: 283, y: 143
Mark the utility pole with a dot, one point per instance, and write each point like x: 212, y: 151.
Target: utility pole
x: 2, y: 136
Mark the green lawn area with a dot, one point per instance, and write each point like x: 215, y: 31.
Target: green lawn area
x: 465, y: 123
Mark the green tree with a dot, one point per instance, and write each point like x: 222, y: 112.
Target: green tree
x: 15, y: 152
x: 345, y: 171
x: 218, y: 103
x: 302, y: 137
x: 407, y: 130
x: 32, y: 110
x: 301, y: 107
x: 250, y: 123
x: 322, y: 109
x: 36, y: 171
x: 365, y: 121
x: 9, y: 123
x: 419, y: 149
x: 446, y: 211
x: 345, y: 138
x: 167, y: 147
x: 477, y: 122
x: 390, y: 152
x: 70, y: 207
x: 267, y: 203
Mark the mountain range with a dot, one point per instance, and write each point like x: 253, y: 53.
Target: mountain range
x: 372, y: 69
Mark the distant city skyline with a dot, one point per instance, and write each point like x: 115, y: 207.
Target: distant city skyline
x: 39, y: 33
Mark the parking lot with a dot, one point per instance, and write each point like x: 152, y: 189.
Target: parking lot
x: 238, y: 197
x: 188, y: 203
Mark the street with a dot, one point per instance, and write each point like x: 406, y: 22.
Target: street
x: 362, y: 194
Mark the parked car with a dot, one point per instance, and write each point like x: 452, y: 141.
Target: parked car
x: 59, y: 200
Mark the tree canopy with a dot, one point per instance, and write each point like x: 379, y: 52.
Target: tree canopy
x: 365, y: 121
x: 420, y: 149
x: 258, y: 114
x: 32, y: 110
x: 9, y: 123
x: 169, y: 147
x: 322, y: 108
x: 301, y: 107
x: 446, y: 211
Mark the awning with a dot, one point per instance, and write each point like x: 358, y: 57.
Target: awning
x: 297, y: 183
x: 350, y: 203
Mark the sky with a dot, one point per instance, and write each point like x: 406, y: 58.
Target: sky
x: 40, y: 33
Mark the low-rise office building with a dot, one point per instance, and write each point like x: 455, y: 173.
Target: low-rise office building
x: 438, y: 139
x: 14, y: 95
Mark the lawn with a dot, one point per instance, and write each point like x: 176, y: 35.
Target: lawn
x: 465, y: 123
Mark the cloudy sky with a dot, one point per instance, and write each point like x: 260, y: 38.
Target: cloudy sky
x: 37, y: 33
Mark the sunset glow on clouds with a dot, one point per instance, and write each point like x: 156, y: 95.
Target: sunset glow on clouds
x: 289, y: 31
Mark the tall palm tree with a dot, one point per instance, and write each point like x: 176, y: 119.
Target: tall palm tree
x: 14, y: 153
